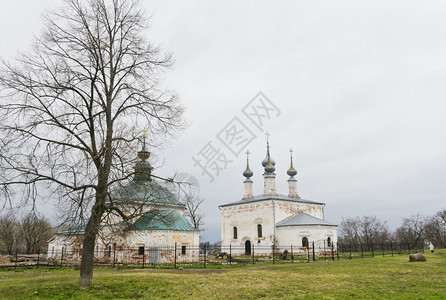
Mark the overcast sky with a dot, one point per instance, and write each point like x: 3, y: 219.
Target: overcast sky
x: 356, y: 88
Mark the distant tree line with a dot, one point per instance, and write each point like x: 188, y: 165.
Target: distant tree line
x: 30, y: 234
x: 413, y: 230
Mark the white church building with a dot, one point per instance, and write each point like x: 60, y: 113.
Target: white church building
x: 156, y: 233
x: 258, y: 222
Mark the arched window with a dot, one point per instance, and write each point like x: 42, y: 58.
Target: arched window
x: 259, y: 230
x: 234, y: 233
x: 329, y: 242
x: 304, y: 242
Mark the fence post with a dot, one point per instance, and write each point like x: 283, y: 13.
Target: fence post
x: 274, y: 252
x: 38, y: 258
x: 350, y: 251
x: 391, y: 247
x: 308, y: 252
x: 175, y: 263
x: 325, y: 252
x: 114, y: 255
x: 292, y: 255
x: 61, y: 258
x: 314, y: 256
x: 16, y: 254
x: 143, y: 255
x: 253, y: 253
x: 332, y: 252
x: 337, y: 250
x: 383, y: 248
x: 204, y: 255
x: 230, y: 254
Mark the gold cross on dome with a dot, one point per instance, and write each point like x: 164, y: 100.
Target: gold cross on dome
x: 144, y: 136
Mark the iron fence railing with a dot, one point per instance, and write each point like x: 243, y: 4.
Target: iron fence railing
x: 200, y: 257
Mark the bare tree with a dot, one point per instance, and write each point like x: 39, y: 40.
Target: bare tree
x: 371, y: 228
x: 35, y: 231
x: 193, y: 211
x: 365, y: 230
x: 349, y: 230
x: 411, y: 231
x: 8, y: 234
x: 187, y: 190
x: 72, y: 109
x: 436, y: 229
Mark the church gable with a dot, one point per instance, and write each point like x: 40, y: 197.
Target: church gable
x: 304, y: 219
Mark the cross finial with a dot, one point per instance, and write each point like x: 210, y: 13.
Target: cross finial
x: 144, y: 136
x: 291, y: 152
x: 267, y: 140
x: 247, y: 154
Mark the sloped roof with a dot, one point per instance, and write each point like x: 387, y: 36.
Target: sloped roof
x: 77, y: 230
x: 304, y: 219
x: 274, y: 197
x: 163, y: 220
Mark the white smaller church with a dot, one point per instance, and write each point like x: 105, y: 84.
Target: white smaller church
x: 259, y: 222
x: 157, y: 227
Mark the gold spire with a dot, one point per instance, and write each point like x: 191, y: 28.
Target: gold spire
x: 291, y: 171
x: 144, y: 136
x: 269, y: 167
x: 247, y: 173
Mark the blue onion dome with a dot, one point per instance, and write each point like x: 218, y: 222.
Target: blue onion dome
x: 269, y: 168
x: 265, y: 161
x: 292, y: 171
x: 247, y: 173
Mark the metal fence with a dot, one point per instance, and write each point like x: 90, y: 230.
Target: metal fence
x: 349, y: 250
x: 200, y: 257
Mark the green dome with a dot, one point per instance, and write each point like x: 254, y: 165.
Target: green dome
x: 163, y: 220
x: 146, y: 191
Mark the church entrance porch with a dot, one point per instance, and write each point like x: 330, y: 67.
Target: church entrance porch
x: 248, y: 247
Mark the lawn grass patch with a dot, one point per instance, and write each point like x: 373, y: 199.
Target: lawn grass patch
x: 379, y: 277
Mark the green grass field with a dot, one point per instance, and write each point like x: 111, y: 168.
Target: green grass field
x: 371, y: 278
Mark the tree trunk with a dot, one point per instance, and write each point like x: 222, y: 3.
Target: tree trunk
x: 86, y: 272
x: 91, y: 230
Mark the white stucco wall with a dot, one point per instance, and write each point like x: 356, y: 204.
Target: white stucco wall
x: 246, y: 217
x: 292, y: 235
x: 127, y: 246
x: 287, y: 209
x: 69, y: 243
x: 268, y: 213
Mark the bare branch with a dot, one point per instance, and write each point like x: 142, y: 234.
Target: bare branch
x: 73, y: 107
